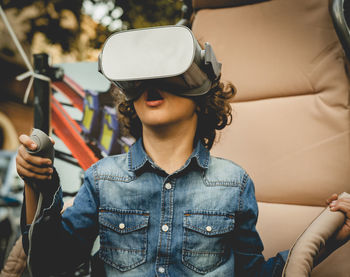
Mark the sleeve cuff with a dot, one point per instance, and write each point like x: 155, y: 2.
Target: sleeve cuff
x: 284, y: 255
x: 50, y: 209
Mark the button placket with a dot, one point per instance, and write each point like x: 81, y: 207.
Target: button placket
x: 167, y: 210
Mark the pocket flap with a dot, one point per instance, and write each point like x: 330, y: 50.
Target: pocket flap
x: 123, y: 221
x: 209, y: 222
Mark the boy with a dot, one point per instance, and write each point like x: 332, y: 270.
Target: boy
x: 166, y: 208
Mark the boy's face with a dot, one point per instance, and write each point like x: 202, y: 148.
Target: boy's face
x: 159, y: 108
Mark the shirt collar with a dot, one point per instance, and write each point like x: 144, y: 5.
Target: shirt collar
x: 138, y: 158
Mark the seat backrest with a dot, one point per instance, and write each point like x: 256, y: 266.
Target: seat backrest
x: 291, y: 117
x: 291, y: 121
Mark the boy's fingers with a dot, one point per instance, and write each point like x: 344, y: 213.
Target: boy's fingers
x: 52, y: 140
x: 332, y: 198
x: 345, y: 207
x: 24, y: 173
x: 34, y: 160
x: 341, y: 205
x: 27, y: 142
x: 35, y: 169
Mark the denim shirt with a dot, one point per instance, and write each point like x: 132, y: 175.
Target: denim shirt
x: 199, y: 220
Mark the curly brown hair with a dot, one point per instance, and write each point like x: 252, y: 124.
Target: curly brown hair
x: 213, y: 109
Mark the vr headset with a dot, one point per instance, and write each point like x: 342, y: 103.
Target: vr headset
x: 166, y: 57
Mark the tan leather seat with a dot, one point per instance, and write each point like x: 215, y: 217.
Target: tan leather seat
x: 291, y: 122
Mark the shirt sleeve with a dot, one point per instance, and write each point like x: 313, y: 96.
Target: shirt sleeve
x: 60, y: 242
x: 247, y: 244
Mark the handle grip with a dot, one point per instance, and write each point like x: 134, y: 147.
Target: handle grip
x: 45, y: 150
x: 44, y: 145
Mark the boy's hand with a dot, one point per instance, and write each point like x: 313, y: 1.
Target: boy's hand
x: 342, y: 205
x: 30, y: 166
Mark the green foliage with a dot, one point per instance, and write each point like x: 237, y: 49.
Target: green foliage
x: 146, y: 13
x: 48, y: 19
x: 135, y: 14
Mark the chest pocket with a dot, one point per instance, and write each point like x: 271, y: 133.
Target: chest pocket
x: 206, y: 239
x: 123, y: 237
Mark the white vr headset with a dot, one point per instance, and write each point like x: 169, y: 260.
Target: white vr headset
x: 167, y: 57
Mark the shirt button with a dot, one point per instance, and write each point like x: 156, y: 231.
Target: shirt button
x: 208, y: 228
x: 168, y: 186
x: 165, y: 228
x: 161, y: 270
x: 121, y: 226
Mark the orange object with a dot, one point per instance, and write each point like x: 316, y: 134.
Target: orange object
x: 70, y: 133
x: 72, y: 90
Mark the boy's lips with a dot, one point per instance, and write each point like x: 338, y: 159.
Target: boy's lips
x: 153, y: 98
x: 154, y: 103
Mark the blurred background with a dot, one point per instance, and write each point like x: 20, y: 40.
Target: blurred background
x: 70, y: 33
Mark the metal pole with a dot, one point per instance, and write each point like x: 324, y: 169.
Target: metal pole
x: 42, y: 94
